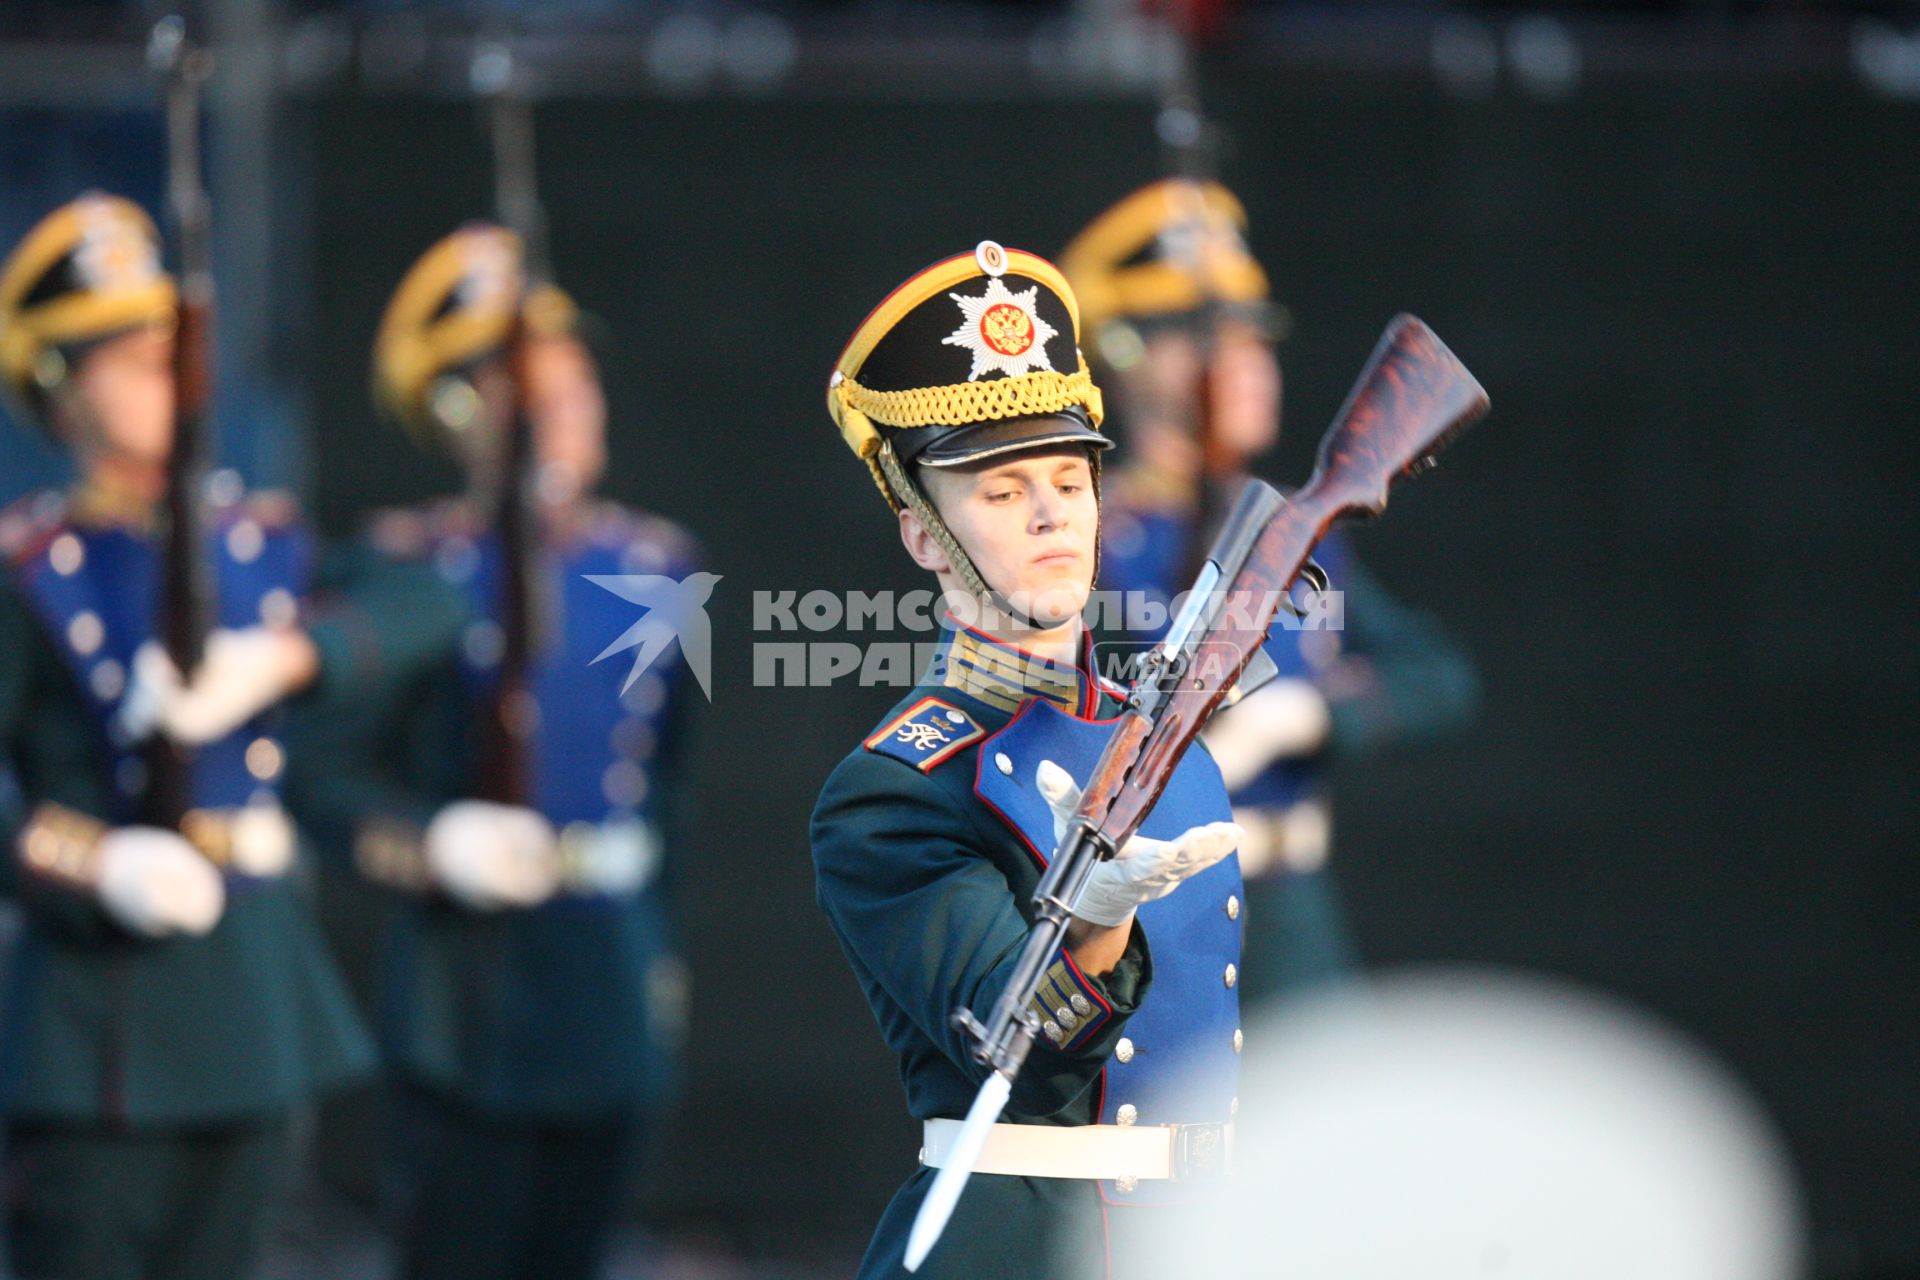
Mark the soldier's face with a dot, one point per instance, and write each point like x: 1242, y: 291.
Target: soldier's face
x: 569, y: 414
x: 1242, y: 381
x: 1246, y: 391
x: 119, y: 398
x: 1029, y: 521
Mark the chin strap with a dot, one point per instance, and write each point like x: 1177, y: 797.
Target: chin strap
x: 910, y: 496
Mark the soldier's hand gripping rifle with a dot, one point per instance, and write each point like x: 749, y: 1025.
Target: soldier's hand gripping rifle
x: 1411, y: 398
x: 185, y: 612
x: 506, y: 756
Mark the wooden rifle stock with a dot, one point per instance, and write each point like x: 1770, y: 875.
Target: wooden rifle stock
x: 184, y: 612
x: 1409, y: 402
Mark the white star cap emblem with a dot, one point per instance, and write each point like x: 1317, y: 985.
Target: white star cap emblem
x: 114, y: 253
x: 1003, y: 330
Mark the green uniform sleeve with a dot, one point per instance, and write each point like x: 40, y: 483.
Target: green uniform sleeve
x: 44, y: 741
x: 379, y: 623
x: 385, y: 630
x: 932, y: 924
x: 1402, y: 676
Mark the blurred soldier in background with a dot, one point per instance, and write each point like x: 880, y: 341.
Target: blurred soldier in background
x: 533, y: 1002
x: 170, y: 1002
x: 1180, y: 319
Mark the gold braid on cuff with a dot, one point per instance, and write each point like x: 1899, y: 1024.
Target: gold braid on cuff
x: 63, y: 845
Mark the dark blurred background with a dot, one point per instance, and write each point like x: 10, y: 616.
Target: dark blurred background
x: 1675, y: 241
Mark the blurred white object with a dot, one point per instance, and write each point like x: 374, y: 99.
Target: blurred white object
x: 242, y: 673
x: 489, y: 856
x: 155, y: 883
x: 1460, y: 1123
x: 1278, y: 721
x: 1296, y: 838
x: 263, y: 840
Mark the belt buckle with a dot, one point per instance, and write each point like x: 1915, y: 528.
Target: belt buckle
x: 1202, y: 1153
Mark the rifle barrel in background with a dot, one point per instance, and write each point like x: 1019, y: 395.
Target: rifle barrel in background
x: 510, y: 720
x: 184, y: 612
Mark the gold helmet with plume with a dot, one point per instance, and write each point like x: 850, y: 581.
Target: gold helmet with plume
x: 976, y: 356
x: 453, y: 309
x: 88, y: 271
x: 1165, y: 253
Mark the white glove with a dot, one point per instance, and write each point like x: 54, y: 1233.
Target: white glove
x: 155, y: 883
x: 241, y: 674
x: 1278, y: 721
x: 1144, y: 869
x: 490, y: 856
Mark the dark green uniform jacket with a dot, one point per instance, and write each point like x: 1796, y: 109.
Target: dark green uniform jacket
x: 570, y: 1010
x: 96, y: 1023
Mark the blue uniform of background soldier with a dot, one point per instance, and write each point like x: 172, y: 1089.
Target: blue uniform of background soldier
x: 1181, y: 322
x: 532, y: 995
x: 966, y: 396
x: 168, y: 1001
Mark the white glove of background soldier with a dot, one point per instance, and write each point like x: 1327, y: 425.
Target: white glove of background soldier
x: 155, y: 883
x: 241, y: 674
x: 1144, y: 869
x: 489, y: 856
x: 1281, y: 720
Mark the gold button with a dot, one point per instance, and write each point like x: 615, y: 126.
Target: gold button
x: 1126, y: 1115
x: 246, y: 540
x: 264, y: 759
x: 66, y: 555
x: 108, y: 679
x: 86, y: 632
x: 1002, y: 763
x: 1053, y: 1031
x: 1232, y: 975
x: 1233, y: 907
x: 1126, y: 1182
x: 1124, y: 1050
x: 1238, y: 1039
x: 278, y: 608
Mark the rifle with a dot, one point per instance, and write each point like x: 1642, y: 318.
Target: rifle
x: 1192, y: 144
x: 186, y: 598
x: 1411, y: 399
x: 507, y: 725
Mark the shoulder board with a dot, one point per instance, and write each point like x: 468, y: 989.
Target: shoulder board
x: 28, y: 522
x: 926, y: 733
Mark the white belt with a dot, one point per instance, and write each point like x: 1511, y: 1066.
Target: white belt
x: 1296, y: 838
x: 1177, y: 1152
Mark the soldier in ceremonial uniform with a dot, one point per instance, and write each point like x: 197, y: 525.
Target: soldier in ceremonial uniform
x: 966, y: 395
x: 169, y: 1001
x: 533, y: 996
x: 1176, y: 308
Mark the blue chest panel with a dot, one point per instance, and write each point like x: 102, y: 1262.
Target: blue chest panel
x: 1180, y: 1060
x: 599, y: 737
x: 95, y: 591
x: 1144, y: 552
